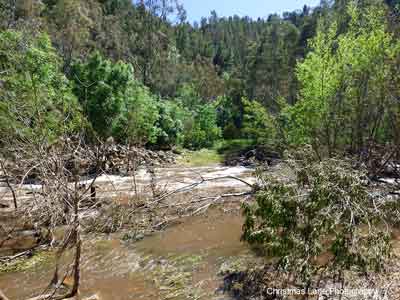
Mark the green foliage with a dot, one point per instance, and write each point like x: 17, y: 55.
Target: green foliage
x: 227, y: 115
x: 102, y: 89
x: 36, y: 101
x: 196, y: 120
x: 317, y: 75
x: 201, y: 130
x: 136, y: 122
x: 341, y: 86
x: 258, y: 123
x: 346, y: 85
x: 188, y: 97
x: 170, y: 124
x: 328, y: 211
x: 115, y: 104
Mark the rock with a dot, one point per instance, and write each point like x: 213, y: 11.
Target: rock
x: 391, y: 170
x: 133, y: 237
x: 176, y: 151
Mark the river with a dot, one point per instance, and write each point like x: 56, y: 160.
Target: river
x: 184, y: 261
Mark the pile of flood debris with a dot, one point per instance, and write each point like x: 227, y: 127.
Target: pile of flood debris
x: 110, y: 159
x: 252, y: 157
x: 118, y: 157
x: 22, y: 178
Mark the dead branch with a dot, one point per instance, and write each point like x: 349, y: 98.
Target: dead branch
x: 16, y: 256
x: 196, y: 184
x: 2, y: 296
x: 7, y: 180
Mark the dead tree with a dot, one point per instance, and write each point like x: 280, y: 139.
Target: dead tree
x: 59, y: 170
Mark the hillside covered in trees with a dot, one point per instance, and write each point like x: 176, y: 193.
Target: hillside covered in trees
x: 142, y: 74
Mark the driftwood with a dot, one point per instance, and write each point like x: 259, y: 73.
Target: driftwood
x: 2, y: 296
x: 16, y: 256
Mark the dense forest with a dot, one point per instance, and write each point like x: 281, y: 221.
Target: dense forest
x: 112, y: 111
x: 142, y: 74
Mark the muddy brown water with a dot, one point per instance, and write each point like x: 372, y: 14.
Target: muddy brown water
x: 113, y: 269
x: 181, y: 262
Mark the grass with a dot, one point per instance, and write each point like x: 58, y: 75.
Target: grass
x: 204, y: 157
x: 216, y: 155
x: 23, y: 264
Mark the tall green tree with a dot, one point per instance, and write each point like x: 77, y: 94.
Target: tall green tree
x: 36, y: 101
x: 345, y: 97
x: 102, y: 88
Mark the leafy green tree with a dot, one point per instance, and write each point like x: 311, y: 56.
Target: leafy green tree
x: 201, y: 131
x: 36, y: 101
x: 170, y: 124
x: 345, y: 95
x: 102, y: 88
x: 199, y: 121
x: 258, y: 123
x: 114, y: 102
x: 317, y: 75
x: 136, y: 123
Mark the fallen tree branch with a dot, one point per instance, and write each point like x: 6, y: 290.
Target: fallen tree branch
x: 2, y: 296
x: 196, y: 184
x: 7, y: 181
x: 11, y: 258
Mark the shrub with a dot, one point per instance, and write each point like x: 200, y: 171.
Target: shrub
x: 327, y: 211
